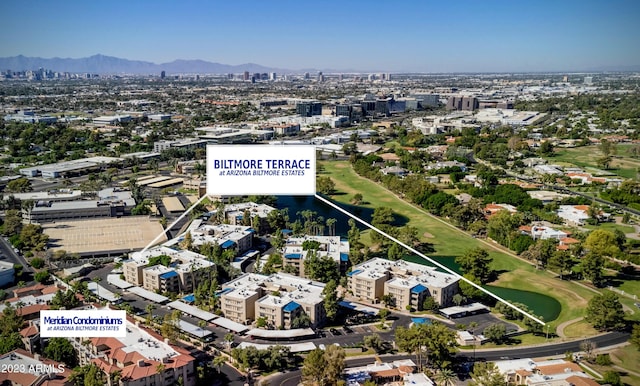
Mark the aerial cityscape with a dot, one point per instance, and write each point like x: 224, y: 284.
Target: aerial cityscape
x: 340, y: 193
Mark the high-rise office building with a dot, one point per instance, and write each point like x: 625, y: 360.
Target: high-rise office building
x: 307, y: 75
x: 307, y: 109
x: 162, y: 74
x: 320, y: 76
x: 245, y: 76
x: 272, y: 76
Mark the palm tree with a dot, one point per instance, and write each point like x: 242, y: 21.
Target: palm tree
x: 218, y: 362
x: 229, y: 337
x: 27, y: 206
x: 331, y: 224
x: 150, y: 307
x: 446, y: 377
x: 114, y: 377
x: 473, y: 326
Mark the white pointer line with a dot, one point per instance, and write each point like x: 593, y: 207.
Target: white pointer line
x: 174, y: 223
x: 428, y: 259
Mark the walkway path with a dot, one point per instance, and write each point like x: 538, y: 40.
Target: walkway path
x: 563, y: 325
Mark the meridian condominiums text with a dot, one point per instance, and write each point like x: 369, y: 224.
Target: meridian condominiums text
x: 258, y: 164
x: 79, y: 320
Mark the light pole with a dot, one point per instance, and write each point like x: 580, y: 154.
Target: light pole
x: 547, y: 331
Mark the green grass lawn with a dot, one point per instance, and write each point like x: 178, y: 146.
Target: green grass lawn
x: 626, y: 357
x: 450, y: 242
x: 610, y: 226
x: 579, y: 329
x: 587, y: 156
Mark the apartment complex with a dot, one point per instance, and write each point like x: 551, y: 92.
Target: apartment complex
x: 235, y: 214
x: 137, y: 357
x: 409, y: 284
x: 294, y: 252
x: 279, y: 299
x: 236, y: 237
x: 183, y: 274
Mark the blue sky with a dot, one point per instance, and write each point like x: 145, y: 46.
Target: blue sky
x: 394, y: 36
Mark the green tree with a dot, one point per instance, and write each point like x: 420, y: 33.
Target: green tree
x: 322, y: 269
x: 218, y: 362
x: 357, y: 199
x: 61, y: 350
x: 562, y: 262
x: 325, y: 185
x: 334, y: 356
x: 88, y: 375
x: 486, y: 374
x: 42, y: 276
x: 313, y: 368
x: 19, y: 185
x: 446, y: 377
x: 435, y: 339
x: 373, y: 342
x: 546, y: 148
x: 635, y: 336
x: 330, y: 300
x: 495, y: 332
x: 612, y: 378
x: 301, y: 321
x: 170, y: 326
x: 602, y: 242
x: 592, y: 268
x: 476, y: 262
x: 605, y: 312
x: 37, y: 262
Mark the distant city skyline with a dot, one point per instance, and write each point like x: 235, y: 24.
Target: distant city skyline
x: 420, y: 36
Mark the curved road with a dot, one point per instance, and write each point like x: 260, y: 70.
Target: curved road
x: 293, y: 378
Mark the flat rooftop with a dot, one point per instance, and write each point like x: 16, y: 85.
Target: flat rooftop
x: 103, y: 235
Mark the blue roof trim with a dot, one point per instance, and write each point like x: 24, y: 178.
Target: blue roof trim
x: 293, y: 256
x: 291, y: 306
x: 189, y: 298
x: 357, y: 271
x: 418, y: 289
x: 168, y: 275
x: 224, y: 291
x: 344, y: 257
x: 228, y: 244
x: 287, y: 231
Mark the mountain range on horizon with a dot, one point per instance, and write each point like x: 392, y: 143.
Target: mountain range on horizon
x: 102, y: 64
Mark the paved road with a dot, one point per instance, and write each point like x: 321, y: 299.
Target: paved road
x: 229, y: 376
x: 8, y: 254
x: 293, y: 378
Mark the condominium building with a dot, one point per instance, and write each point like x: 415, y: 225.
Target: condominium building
x: 236, y: 237
x: 294, y: 252
x: 183, y: 274
x: 409, y: 284
x: 235, y: 214
x: 138, y: 357
x: 279, y: 299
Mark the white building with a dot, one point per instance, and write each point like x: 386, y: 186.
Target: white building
x: 137, y: 357
x: 294, y: 254
x: 236, y: 237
